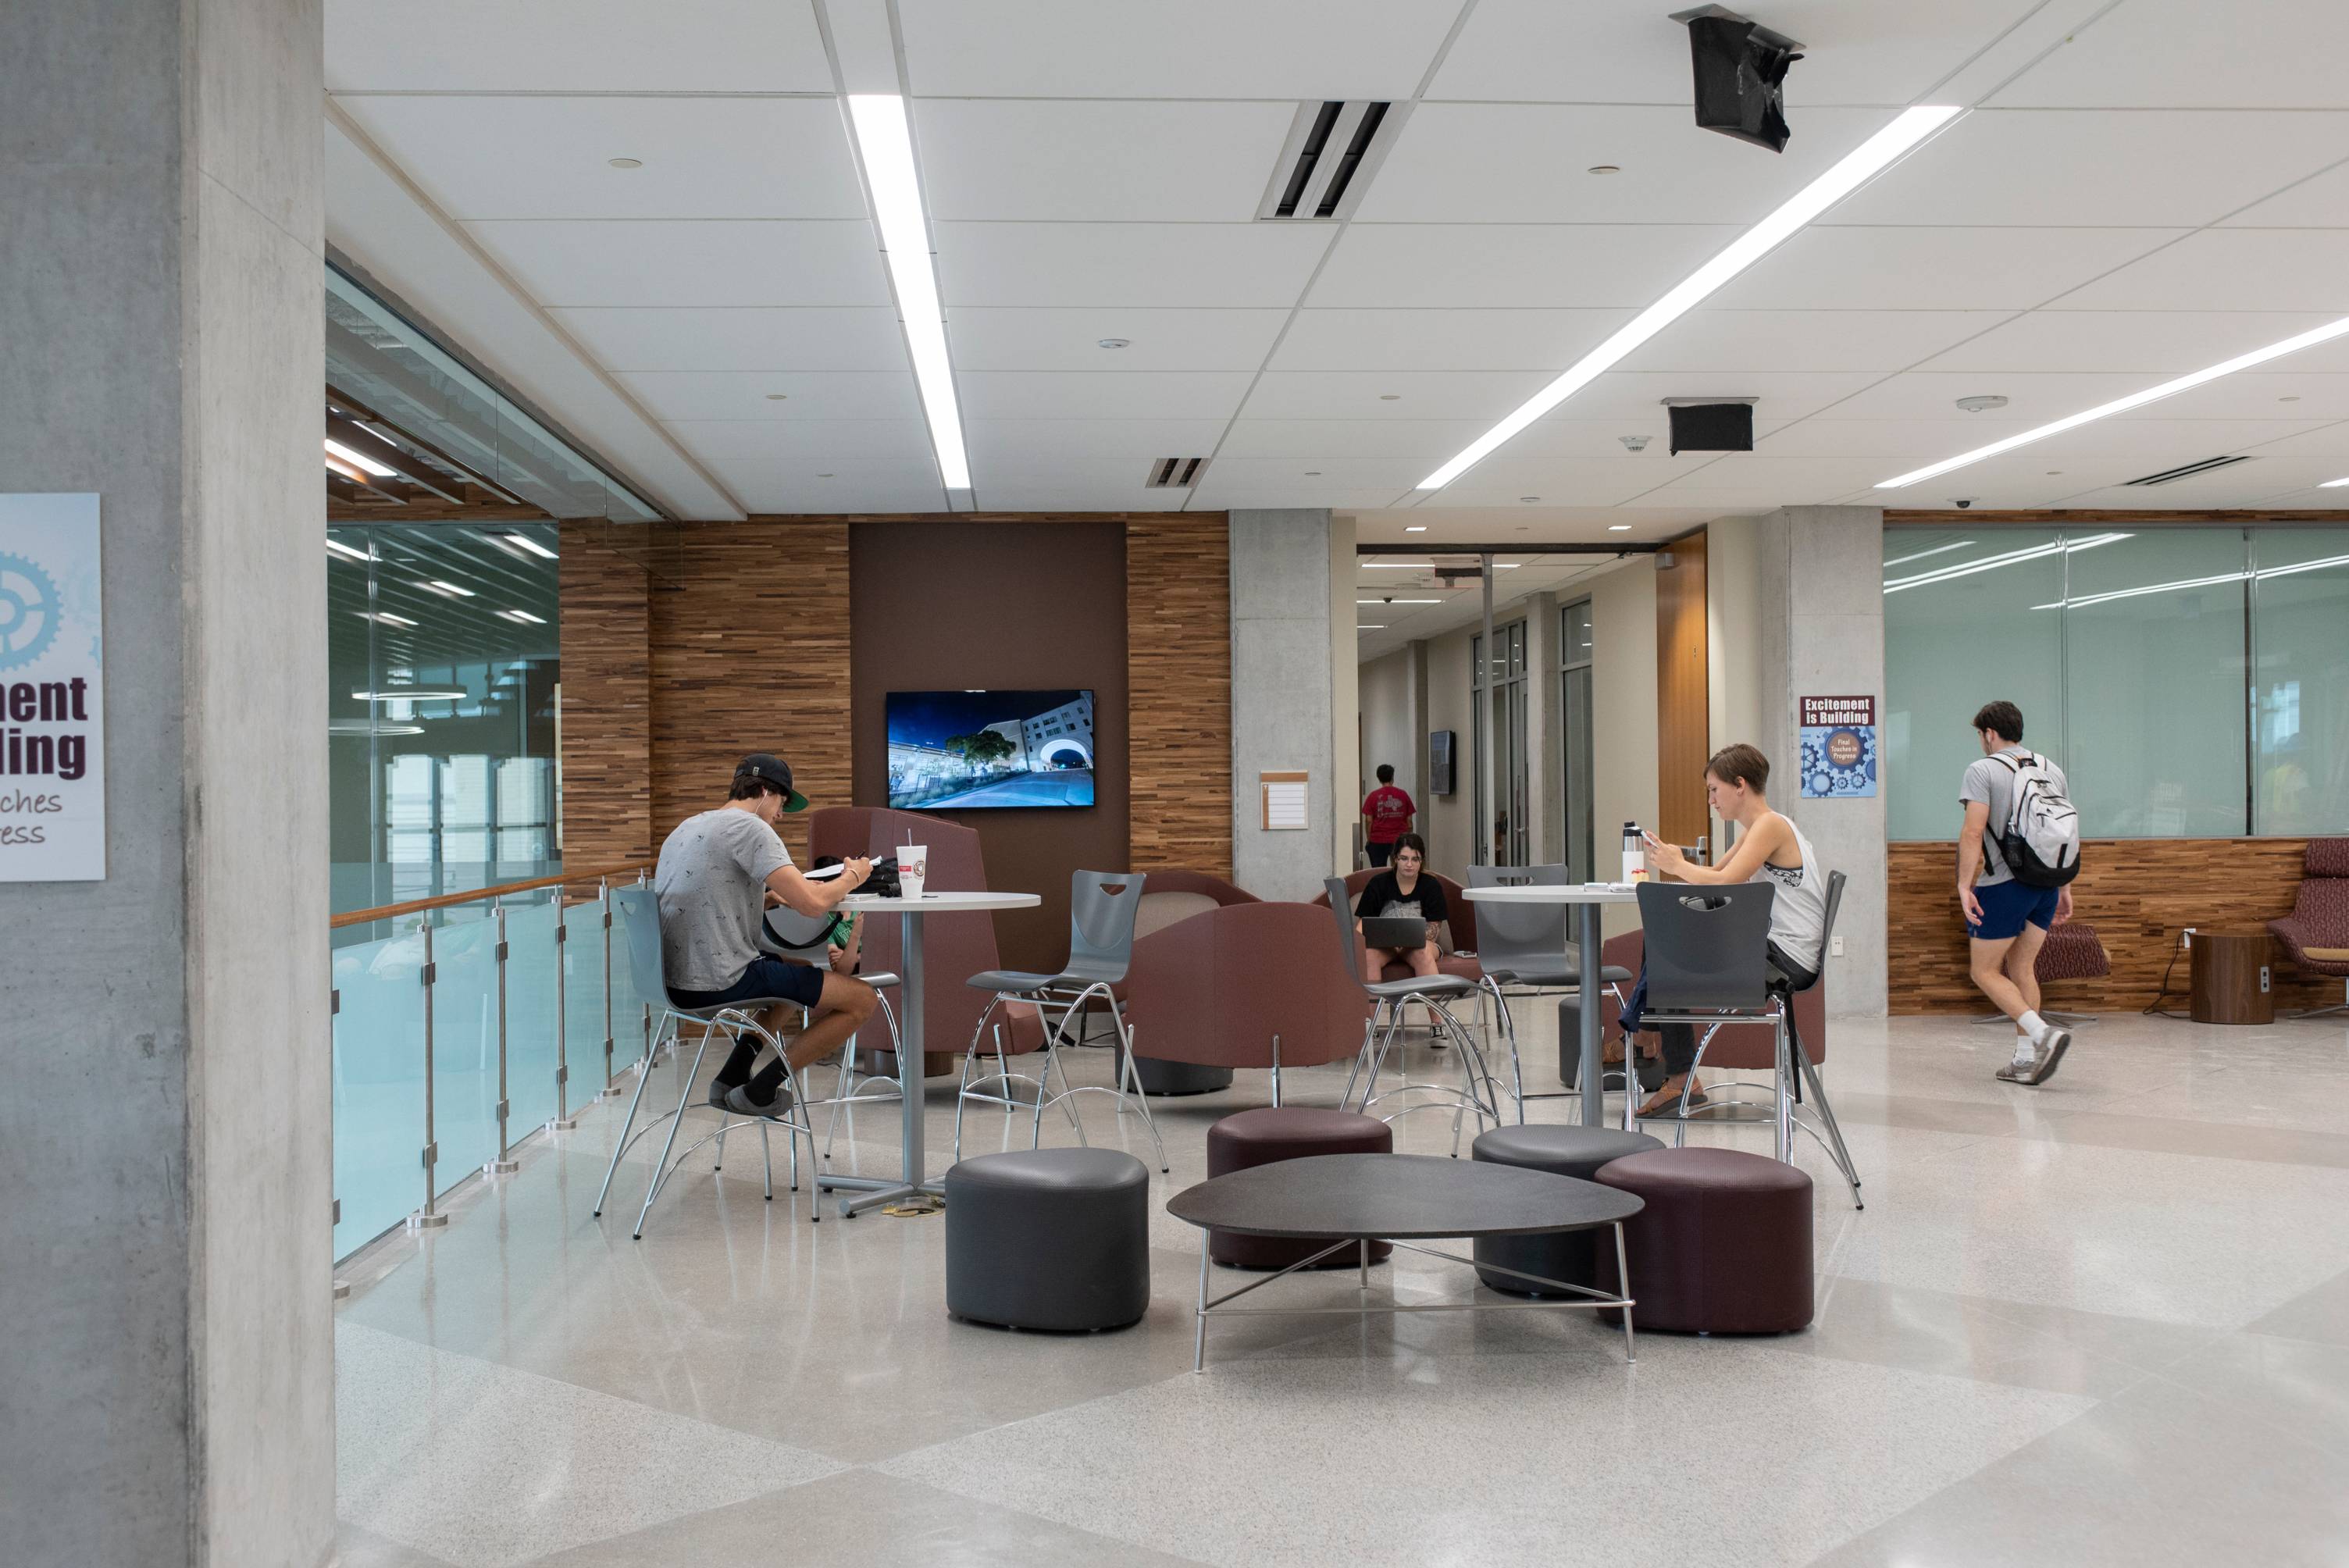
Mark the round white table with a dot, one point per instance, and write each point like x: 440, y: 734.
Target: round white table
x: 910, y: 912
x: 1587, y: 899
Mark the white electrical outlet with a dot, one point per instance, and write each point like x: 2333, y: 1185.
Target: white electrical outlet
x: 1834, y: 947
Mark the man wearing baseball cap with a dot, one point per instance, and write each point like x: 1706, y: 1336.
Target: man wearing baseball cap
x: 718, y: 872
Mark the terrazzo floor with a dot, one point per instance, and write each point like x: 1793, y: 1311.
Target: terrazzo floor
x: 2102, y: 1322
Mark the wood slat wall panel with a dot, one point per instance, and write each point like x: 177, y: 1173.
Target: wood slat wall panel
x: 2138, y: 893
x: 606, y: 718
x: 1179, y: 689
x: 1683, y: 721
x: 749, y: 638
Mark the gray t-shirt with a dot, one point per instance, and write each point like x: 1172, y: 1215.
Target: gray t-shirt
x: 712, y: 882
x: 1992, y: 782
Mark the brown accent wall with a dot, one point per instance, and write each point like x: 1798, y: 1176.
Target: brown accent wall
x: 946, y: 606
x: 605, y: 711
x: 1179, y: 675
x: 2138, y: 893
x: 1682, y: 736
x: 751, y: 651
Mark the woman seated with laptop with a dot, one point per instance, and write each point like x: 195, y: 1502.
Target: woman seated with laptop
x: 1401, y: 893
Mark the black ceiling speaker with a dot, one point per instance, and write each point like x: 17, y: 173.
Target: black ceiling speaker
x: 1701, y: 426
x: 1740, y: 74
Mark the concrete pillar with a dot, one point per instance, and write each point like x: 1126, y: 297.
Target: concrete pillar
x: 1346, y: 785
x: 1283, y: 716
x: 164, y: 1105
x: 1820, y: 632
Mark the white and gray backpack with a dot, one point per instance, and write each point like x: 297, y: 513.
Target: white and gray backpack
x: 2041, y: 841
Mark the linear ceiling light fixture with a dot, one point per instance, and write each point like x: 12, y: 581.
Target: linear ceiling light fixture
x: 526, y: 542
x: 1862, y: 164
x: 364, y: 464
x: 887, y: 148
x: 2308, y: 340
x: 1993, y: 562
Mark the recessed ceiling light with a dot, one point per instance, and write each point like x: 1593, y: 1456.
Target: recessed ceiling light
x: 2169, y: 388
x: 1116, y: 343
x: 778, y: 396
x: 1390, y: 396
x: 2332, y: 484
x: 1911, y: 127
x: 626, y: 162
x: 1605, y: 168
x: 2294, y: 398
x: 1619, y: 528
x: 887, y: 148
x: 525, y: 542
x: 1372, y: 626
x: 447, y: 589
x: 1529, y: 498
x: 1414, y: 528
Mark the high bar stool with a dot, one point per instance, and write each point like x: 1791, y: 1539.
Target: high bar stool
x: 1389, y: 998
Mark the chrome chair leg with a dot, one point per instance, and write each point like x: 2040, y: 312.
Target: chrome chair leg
x: 1362, y: 1057
x: 1133, y: 1074
x: 620, y: 1144
x: 660, y: 1166
x: 1825, y: 1113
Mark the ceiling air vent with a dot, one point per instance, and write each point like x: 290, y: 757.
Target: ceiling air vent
x: 2204, y: 467
x: 1176, y: 473
x: 1325, y: 165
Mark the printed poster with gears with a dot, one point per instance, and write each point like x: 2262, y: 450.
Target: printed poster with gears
x: 1838, y: 742
x: 52, y: 724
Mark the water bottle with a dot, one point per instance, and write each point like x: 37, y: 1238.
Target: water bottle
x: 1635, y: 856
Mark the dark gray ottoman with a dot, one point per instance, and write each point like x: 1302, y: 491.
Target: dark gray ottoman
x: 1575, y: 1151
x: 1048, y: 1238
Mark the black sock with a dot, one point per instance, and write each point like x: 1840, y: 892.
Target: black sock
x: 761, y: 1089
x: 737, y: 1070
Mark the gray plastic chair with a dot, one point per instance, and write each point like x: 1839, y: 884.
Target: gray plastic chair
x: 1707, y: 963
x: 1102, y: 909
x: 1522, y: 952
x: 638, y: 910
x: 804, y: 939
x: 1389, y: 997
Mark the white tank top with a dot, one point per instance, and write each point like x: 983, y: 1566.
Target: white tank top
x: 1798, y: 914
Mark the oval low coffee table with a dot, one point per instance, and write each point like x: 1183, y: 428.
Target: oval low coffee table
x: 1357, y: 1199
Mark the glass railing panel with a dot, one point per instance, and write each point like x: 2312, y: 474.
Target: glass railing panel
x: 532, y: 980
x: 582, y: 991
x: 464, y: 1043
x: 379, y: 1086
x: 627, y: 1002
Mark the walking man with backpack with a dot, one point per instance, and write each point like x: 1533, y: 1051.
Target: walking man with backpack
x: 2017, y: 852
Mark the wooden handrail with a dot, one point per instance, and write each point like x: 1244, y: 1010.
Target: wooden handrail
x: 448, y: 900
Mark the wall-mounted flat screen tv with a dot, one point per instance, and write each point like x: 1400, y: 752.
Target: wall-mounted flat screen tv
x: 972, y: 750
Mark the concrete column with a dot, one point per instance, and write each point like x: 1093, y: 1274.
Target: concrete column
x: 1545, y: 764
x: 1820, y: 632
x: 1346, y: 786
x: 164, y: 1100
x: 1282, y: 705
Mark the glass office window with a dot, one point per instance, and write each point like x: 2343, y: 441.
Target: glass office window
x: 1574, y: 644
x: 2300, y: 680
x: 1506, y: 840
x: 1962, y: 626
x: 2153, y: 651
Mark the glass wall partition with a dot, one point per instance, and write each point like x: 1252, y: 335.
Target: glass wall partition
x: 1500, y: 744
x: 2189, y: 679
x: 1575, y: 733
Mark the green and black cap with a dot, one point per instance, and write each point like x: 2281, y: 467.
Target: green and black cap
x: 769, y: 769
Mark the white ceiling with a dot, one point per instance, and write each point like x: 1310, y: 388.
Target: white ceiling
x: 2136, y: 193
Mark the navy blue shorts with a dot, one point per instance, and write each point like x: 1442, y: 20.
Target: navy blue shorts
x: 766, y: 979
x: 2006, y: 905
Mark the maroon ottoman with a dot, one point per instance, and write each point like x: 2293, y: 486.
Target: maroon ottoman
x: 1288, y: 1132
x: 1723, y: 1245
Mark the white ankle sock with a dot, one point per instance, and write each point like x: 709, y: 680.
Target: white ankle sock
x: 2032, y: 1024
x: 2026, y: 1053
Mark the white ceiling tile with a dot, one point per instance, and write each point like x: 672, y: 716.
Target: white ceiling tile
x: 806, y: 395
x: 2322, y: 202
x: 1101, y: 395
x: 1628, y: 51
x: 2163, y: 55
x: 1049, y: 470
x: 1826, y: 267
x: 791, y: 440
x: 2031, y: 399
x: 1065, y: 497
x: 2258, y: 393
x: 1355, y: 473
x: 2329, y: 440
x: 703, y: 156
x: 1213, y: 496
x: 891, y: 490
x: 1484, y: 394
x: 2058, y: 167
x: 1911, y: 442
x: 704, y: 265
x: 1471, y: 265
x: 1444, y: 339
x: 1040, y: 338
x: 1417, y: 439
x: 1154, y: 265
x: 576, y: 45
x: 1581, y: 481
x: 1034, y: 443
x: 1135, y: 48
x: 684, y: 337
x: 1780, y: 395
x: 1517, y: 162
x: 1807, y: 340
x: 2232, y: 269
x: 2152, y: 342
x: 1098, y: 161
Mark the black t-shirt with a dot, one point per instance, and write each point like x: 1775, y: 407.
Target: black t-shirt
x: 1384, y: 896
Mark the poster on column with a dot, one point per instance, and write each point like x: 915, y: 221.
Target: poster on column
x: 1838, y: 744
x: 52, y: 719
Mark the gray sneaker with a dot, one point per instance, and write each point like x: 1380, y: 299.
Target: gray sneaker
x: 2019, y: 1072
x: 740, y: 1103
x: 2051, y: 1047
x: 718, y: 1093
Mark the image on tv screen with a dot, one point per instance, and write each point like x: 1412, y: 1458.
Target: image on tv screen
x: 970, y: 750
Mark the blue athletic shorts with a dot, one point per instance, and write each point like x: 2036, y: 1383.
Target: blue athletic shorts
x: 2006, y: 905
x: 766, y: 979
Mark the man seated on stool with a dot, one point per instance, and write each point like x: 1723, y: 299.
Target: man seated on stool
x: 717, y: 873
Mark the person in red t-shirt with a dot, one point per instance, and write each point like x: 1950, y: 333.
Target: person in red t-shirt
x: 1390, y: 813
